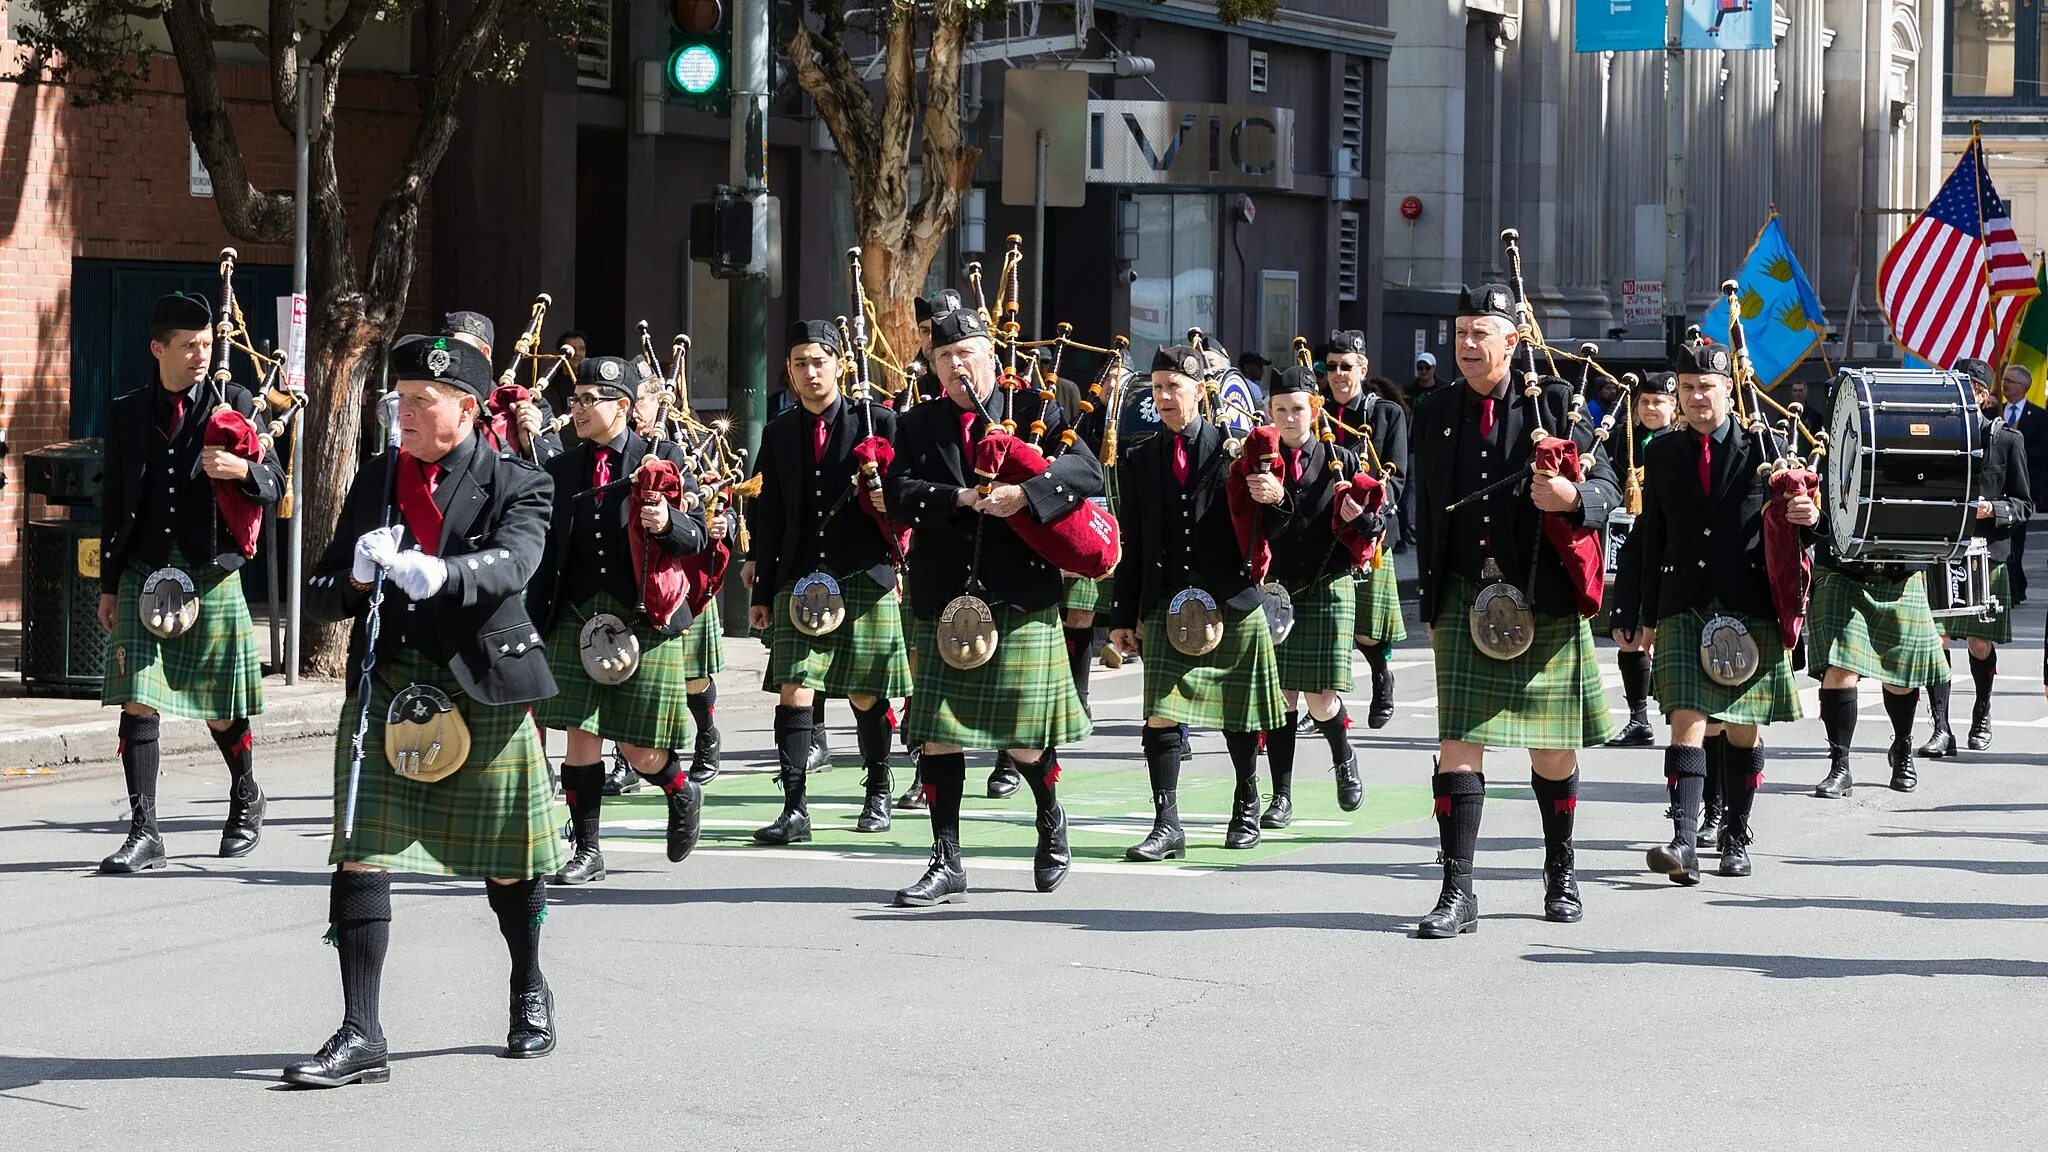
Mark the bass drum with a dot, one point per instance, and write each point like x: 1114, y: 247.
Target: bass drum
x: 1901, y: 464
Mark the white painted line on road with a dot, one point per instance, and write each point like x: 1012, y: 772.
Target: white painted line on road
x: 900, y: 859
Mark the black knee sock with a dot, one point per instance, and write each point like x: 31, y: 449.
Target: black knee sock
x: 818, y: 718
x: 1838, y: 717
x: 1162, y: 758
x: 583, y: 791
x: 1043, y: 778
x: 237, y: 747
x: 1244, y: 761
x: 359, y: 914
x: 1460, y: 801
x: 874, y: 731
x: 945, y: 780
x: 669, y: 777
x: 1079, y: 641
x: 704, y: 707
x: 1280, y: 755
x: 1901, y: 706
x: 793, y: 741
x: 520, y: 908
x: 1558, y: 801
x: 1937, y: 705
x: 139, y: 761
x: 1375, y: 655
x: 1745, y: 774
x: 1337, y: 730
x: 1716, y: 749
x: 1685, y: 774
x: 1982, y: 673
x: 1635, y: 682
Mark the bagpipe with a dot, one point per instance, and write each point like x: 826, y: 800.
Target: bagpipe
x: 499, y: 419
x: 1360, y: 496
x: 278, y: 406
x: 720, y: 470
x: 873, y: 453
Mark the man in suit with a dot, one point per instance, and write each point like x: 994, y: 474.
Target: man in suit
x: 2030, y: 420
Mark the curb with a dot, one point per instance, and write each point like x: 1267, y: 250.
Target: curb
x: 81, y: 751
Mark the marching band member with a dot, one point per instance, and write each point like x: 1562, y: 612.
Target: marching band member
x: 1656, y: 408
x: 1184, y: 576
x: 1702, y: 583
x: 2004, y: 499
x: 1470, y: 440
x: 1361, y: 415
x: 454, y: 644
x: 162, y: 526
x: 1318, y: 573
x: 823, y: 586
x: 965, y: 556
x: 592, y: 594
x: 530, y: 417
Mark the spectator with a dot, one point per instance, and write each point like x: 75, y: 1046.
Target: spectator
x: 2031, y: 421
x: 1425, y: 376
x: 1253, y: 366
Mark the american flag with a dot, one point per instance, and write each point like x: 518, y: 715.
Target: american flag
x: 1948, y: 284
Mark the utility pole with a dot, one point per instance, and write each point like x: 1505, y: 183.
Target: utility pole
x: 747, y: 317
x: 1674, y: 174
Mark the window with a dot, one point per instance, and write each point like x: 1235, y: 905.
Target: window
x: 594, y: 52
x: 1351, y: 129
x: 1175, y: 288
x: 1994, y: 52
x: 1261, y: 65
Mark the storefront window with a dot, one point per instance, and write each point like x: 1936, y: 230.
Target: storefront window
x: 1994, y: 51
x: 1175, y: 287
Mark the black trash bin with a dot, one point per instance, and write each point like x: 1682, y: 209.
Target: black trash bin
x: 63, y: 648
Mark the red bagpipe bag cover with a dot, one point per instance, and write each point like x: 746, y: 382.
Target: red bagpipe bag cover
x: 665, y: 578
x: 1261, y: 454
x: 1357, y: 498
x: 499, y: 420
x: 879, y: 452
x: 1577, y: 547
x: 1786, y: 560
x: 1084, y: 541
x: 231, y: 430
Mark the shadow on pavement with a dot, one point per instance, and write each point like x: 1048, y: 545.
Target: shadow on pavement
x: 1130, y: 920
x: 1912, y: 909
x: 26, y: 1071
x: 1804, y: 967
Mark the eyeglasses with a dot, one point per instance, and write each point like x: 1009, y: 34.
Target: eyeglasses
x: 590, y: 399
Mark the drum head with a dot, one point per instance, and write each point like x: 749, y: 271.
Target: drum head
x: 1501, y: 623
x: 1194, y: 625
x: 1279, y: 609
x: 1728, y: 653
x: 169, y: 604
x: 425, y: 738
x: 609, y: 649
x: 1844, y: 473
x: 816, y: 605
x: 967, y: 633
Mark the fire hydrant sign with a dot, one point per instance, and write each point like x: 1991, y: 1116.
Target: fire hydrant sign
x: 1642, y: 302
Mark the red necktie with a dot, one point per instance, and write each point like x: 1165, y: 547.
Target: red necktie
x: 967, y: 431
x: 1294, y: 464
x: 601, y: 472
x: 818, y: 436
x: 1180, y: 460
x: 1706, y: 466
x: 178, y: 401
x: 417, y: 482
x: 1486, y: 417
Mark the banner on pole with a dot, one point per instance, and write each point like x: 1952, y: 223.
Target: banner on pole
x: 1619, y: 26
x: 291, y: 328
x: 1732, y: 25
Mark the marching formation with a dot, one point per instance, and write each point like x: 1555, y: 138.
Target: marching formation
x: 950, y: 542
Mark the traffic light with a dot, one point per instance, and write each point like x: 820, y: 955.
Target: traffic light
x: 699, y: 69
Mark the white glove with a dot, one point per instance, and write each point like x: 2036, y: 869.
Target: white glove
x: 418, y: 575
x: 374, y: 549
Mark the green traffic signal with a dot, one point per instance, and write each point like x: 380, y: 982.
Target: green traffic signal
x: 695, y: 69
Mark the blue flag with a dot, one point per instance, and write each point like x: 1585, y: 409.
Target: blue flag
x: 1782, y: 319
x: 1733, y: 25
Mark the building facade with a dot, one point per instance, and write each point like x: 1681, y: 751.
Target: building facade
x: 1994, y: 78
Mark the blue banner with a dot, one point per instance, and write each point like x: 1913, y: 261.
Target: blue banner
x: 1782, y: 319
x: 1620, y: 25
x: 1734, y: 25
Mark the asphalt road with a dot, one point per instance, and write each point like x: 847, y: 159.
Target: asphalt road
x: 1881, y: 982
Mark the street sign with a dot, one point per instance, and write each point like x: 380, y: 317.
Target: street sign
x: 1642, y: 302
x: 1054, y: 102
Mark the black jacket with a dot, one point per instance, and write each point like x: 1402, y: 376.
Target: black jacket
x: 140, y: 462
x: 495, y: 522
x: 570, y: 474
x: 1157, y: 514
x: 798, y: 493
x: 2033, y: 426
x: 924, y: 489
x: 1388, y: 424
x: 1305, y: 549
x: 2005, y: 478
x: 1691, y: 548
x: 1436, y: 485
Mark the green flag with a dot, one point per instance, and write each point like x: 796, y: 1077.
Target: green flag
x: 2030, y: 343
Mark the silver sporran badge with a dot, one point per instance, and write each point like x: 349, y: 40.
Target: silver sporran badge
x: 1194, y: 625
x: 1728, y: 653
x: 1279, y: 609
x: 610, y: 650
x: 816, y: 605
x: 1501, y: 623
x: 967, y: 632
x: 169, y: 604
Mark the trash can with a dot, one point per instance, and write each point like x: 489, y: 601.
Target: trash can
x: 63, y: 648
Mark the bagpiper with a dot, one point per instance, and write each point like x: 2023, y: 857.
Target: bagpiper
x: 182, y: 641
x: 440, y: 771
x: 612, y: 610
x: 984, y: 605
x: 1376, y: 429
x: 1655, y: 407
x: 1490, y: 575
x: 1184, y: 594
x: 1700, y: 581
x: 531, y: 432
x: 1318, y: 570
x: 2004, y: 499
x: 823, y: 581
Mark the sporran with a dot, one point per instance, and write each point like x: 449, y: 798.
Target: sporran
x: 1194, y: 625
x: 967, y: 632
x: 1501, y: 622
x: 425, y: 737
x: 609, y: 649
x: 169, y: 604
x: 1728, y: 653
x: 816, y: 605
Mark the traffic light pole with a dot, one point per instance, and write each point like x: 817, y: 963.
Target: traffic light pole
x: 747, y: 317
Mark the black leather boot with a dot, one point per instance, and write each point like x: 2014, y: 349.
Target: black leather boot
x: 944, y: 880
x: 587, y: 862
x: 874, y: 807
x: 1980, y: 726
x: 140, y: 852
x: 1244, y: 820
x: 346, y: 1058
x: 1166, y: 841
x: 706, y: 755
x: 821, y: 751
x: 1637, y: 733
x: 1904, y: 778
x: 1279, y: 813
x: 1711, y: 815
x: 1941, y: 743
x: 794, y: 825
x: 245, y: 819
x: 532, y: 1031
x: 1457, y: 908
x: 685, y: 819
x: 1381, y: 710
x: 1561, y: 903
x: 1735, y: 840
x: 912, y: 799
x: 1350, y: 787
x: 1678, y: 860
x: 1837, y: 783
x: 619, y: 777
x: 1050, y: 862
x: 1004, y: 780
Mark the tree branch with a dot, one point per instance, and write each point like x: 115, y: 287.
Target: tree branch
x: 252, y: 215
x: 284, y: 64
x: 948, y: 160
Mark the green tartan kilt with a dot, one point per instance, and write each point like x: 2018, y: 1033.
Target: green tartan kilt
x: 213, y: 672
x: 1316, y: 656
x: 704, y: 644
x: 1083, y: 595
x: 1876, y: 628
x: 646, y: 711
x: 1379, y: 606
x: 1548, y: 697
x: 495, y: 816
x: 1770, y: 697
x: 1022, y: 698
x: 1998, y: 629
x: 1235, y: 688
x: 864, y: 656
